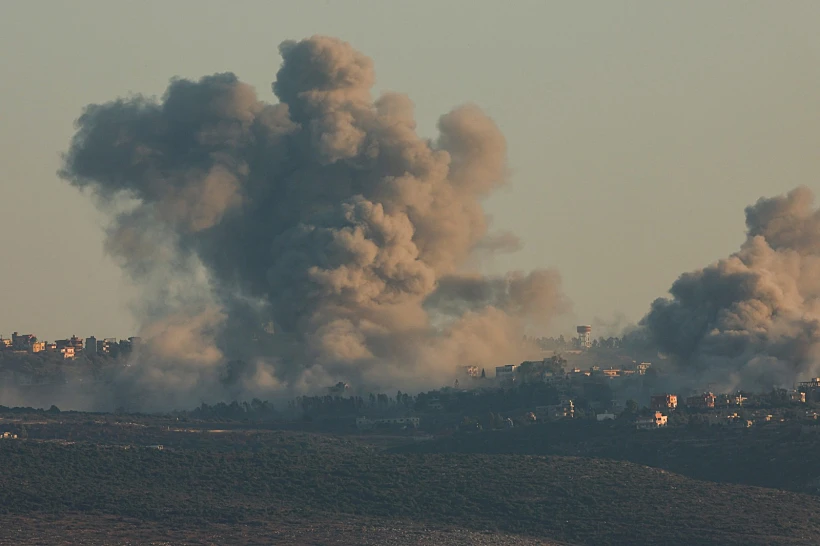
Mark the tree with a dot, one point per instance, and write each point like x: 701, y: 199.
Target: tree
x: 483, y: 374
x: 555, y: 364
x: 631, y: 407
x: 23, y: 432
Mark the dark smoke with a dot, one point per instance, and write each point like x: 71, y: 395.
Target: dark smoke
x: 751, y: 320
x: 318, y: 239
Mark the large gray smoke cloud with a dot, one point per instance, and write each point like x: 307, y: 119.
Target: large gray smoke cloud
x: 751, y: 320
x: 317, y: 239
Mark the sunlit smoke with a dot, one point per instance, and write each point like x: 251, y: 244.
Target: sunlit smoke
x: 318, y: 239
x: 751, y: 320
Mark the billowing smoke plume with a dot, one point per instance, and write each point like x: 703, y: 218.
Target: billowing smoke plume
x: 316, y: 240
x: 751, y: 320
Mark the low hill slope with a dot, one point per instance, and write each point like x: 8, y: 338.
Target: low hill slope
x: 570, y: 499
x: 768, y: 456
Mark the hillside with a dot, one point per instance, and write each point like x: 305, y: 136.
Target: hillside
x: 768, y: 456
x: 571, y: 499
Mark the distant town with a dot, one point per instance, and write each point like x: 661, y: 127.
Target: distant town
x: 69, y: 348
x: 582, y: 378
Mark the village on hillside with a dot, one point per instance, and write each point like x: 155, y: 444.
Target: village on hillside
x: 580, y: 379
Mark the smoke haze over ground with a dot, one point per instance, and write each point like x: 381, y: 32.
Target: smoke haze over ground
x: 751, y: 320
x: 318, y: 239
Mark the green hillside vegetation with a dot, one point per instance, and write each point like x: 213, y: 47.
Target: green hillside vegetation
x: 578, y: 500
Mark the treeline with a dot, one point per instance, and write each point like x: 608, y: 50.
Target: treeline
x: 561, y: 343
x: 255, y: 410
x: 636, y: 340
x: 525, y: 396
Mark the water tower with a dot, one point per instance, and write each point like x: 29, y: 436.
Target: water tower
x: 585, y: 336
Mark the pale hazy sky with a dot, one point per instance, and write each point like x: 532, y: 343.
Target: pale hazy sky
x: 637, y: 131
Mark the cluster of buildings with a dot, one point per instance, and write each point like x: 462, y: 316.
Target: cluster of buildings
x: 720, y: 409
x: 546, y: 371
x: 28, y: 343
x: 734, y: 410
x: 728, y: 418
x: 728, y: 410
x: 708, y: 400
x: 714, y: 410
x: 69, y: 348
x: 611, y: 372
x: 810, y: 390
